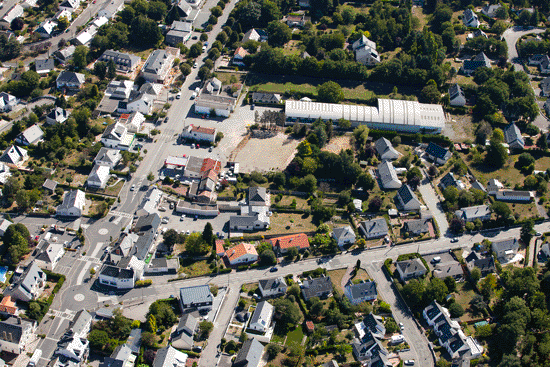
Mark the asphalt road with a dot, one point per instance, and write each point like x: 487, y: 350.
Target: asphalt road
x: 512, y: 35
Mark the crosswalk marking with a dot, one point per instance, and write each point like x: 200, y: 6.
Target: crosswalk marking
x: 121, y: 214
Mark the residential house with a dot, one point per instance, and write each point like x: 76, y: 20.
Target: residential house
x: 478, y: 33
x: 141, y: 102
x: 367, y: 55
x: 446, y: 269
x: 98, y: 177
x: 116, y: 136
x: 450, y: 335
x: 4, y: 173
x: 490, y: 10
x: 220, y: 250
x: 28, y: 284
x: 282, y: 244
x: 50, y: 185
x: 124, y: 274
x: 182, y: 338
x: 148, y: 206
x: 196, y: 297
x: 485, y: 264
x: 214, y: 97
x: 179, y: 32
x: 69, y: 5
x: 73, y: 346
x: 257, y: 35
x: 438, y: 154
x: 258, y: 196
x: 48, y: 254
x: 261, y: 318
x: 471, y: 213
x: 478, y: 186
x: 297, y: 20
x: 238, y: 56
x: 133, y: 121
x: 7, y: 102
x: 57, y: 115
x: 513, y: 137
x: 124, y: 62
x: 362, y: 292
x: 63, y: 13
x: 545, y: 250
x: 184, y: 9
x: 493, y: 186
x: 170, y: 357
x: 374, y: 228
x: 122, y: 356
x: 72, y: 205
x: 304, y: 3
x: 255, y: 221
x: 15, y: 11
x: 16, y: 335
x: 514, y: 195
x: 547, y: 109
x: 250, y: 354
x: 243, y: 253
x: 119, y: 89
x: 410, y: 269
x: 14, y: 155
x: 30, y: 136
x: 8, y: 307
x: 64, y: 55
x: 110, y: 9
x: 450, y: 180
x: 273, y: 287
x: 544, y: 66
x: 505, y: 250
x: 162, y: 265
x: 267, y: 98
x: 70, y: 80
x: 385, y: 150
x: 367, y: 344
x: 158, y: 65
x: 545, y: 87
x: 536, y: 60
x: 108, y: 157
x: 388, y: 176
x: 480, y: 60
x: 199, y: 133
x: 417, y: 227
x: 46, y: 28
x: 456, y: 95
x: 4, y: 224
x: 362, y: 42
x: 470, y: 19
x: 317, y: 287
x: 343, y: 236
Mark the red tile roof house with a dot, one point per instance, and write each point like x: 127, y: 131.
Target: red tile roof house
x: 310, y: 327
x: 282, y: 244
x: 220, y: 250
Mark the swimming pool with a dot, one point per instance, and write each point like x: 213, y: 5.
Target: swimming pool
x: 3, y: 271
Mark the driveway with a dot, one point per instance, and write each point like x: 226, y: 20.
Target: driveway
x: 434, y: 205
x: 512, y: 35
x: 414, y: 336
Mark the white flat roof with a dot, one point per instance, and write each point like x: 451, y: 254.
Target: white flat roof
x: 389, y: 111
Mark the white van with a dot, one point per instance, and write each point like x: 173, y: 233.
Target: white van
x: 436, y: 259
x: 397, y: 339
x: 35, y: 358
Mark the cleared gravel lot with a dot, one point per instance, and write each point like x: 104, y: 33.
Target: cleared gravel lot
x: 267, y: 154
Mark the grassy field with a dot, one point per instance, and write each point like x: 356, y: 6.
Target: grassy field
x: 526, y: 210
x: 337, y: 275
x: 508, y: 175
x: 282, y: 223
x: 301, y: 203
x: 225, y: 77
x: 352, y: 90
x: 295, y: 336
x: 463, y: 295
x: 195, y: 268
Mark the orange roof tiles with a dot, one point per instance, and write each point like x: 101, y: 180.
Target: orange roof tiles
x: 299, y: 240
x: 240, y: 250
x: 203, y: 130
x: 220, y: 250
x: 310, y: 326
x: 209, y: 163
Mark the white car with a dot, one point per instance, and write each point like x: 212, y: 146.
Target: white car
x: 188, y: 232
x: 133, y: 188
x: 409, y: 362
x: 182, y: 218
x: 196, y: 65
x: 401, y: 326
x: 178, y: 96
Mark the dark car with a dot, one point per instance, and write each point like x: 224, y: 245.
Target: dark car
x: 273, y: 269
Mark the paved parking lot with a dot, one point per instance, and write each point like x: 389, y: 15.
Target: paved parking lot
x: 445, y: 257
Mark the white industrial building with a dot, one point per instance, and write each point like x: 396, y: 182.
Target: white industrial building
x: 396, y: 115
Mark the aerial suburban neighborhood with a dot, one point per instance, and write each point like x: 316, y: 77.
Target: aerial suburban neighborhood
x: 253, y: 183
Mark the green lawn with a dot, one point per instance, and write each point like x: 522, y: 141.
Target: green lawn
x: 295, y: 336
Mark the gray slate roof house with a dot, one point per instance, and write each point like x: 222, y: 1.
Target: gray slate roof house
x: 478, y: 186
x: 179, y: 33
x: 480, y: 60
x: 196, y: 297
x: 513, y: 137
x: 16, y: 331
x: 65, y: 54
x: 457, y: 96
x: 450, y: 180
x: 147, y: 222
x: 250, y: 354
x: 385, y: 149
x: 57, y: 116
x: 14, y: 155
x: 448, y: 269
x: 4, y: 224
x: 124, y: 62
x: 505, y: 249
x: 490, y: 10
x: 317, y: 287
x: 409, y: 269
x: 271, y: 98
x: 374, y: 228
x: 417, y: 227
x: 183, y: 336
x: 108, y: 157
x: 169, y: 357
x: 388, y: 176
x: 44, y: 66
x: 119, y: 358
x: 439, y: 154
x: 406, y: 198
x: 343, y: 235
x: 27, y: 286
x: 134, y: 341
x: 257, y: 196
x: 272, y: 287
x: 485, y: 264
x: 471, y: 213
x: 253, y: 34
x: 69, y: 79
x: 362, y: 292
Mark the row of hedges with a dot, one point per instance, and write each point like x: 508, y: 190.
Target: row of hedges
x: 437, y: 139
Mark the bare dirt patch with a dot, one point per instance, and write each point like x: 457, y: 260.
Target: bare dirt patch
x: 267, y: 154
x: 338, y: 144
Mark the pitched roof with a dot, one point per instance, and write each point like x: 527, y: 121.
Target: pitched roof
x: 383, y: 146
x: 446, y: 269
x: 256, y: 193
x: 12, y: 329
x: 203, y: 130
x: 241, y: 52
x: 343, y: 232
x: 410, y: 266
x: 219, y: 246
x: 361, y: 290
x: 473, y: 212
x: 70, y: 77
x: 512, y: 134
x: 406, y: 194
x: 261, y: 314
x: 417, y: 226
x: 480, y: 60
x: 169, y: 357
x: 58, y: 114
x: 13, y: 154
x: 44, y: 65
x: 31, y: 135
x: 108, y: 155
x: 449, y: 180
x: 250, y: 354
x: 505, y: 245
x: 313, y: 287
x: 272, y: 283
x: 375, y: 225
x: 387, y: 173
x: 116, y: 272
x: 436, y: 150
x: 49, y: 184
x: 455, y: 91
x: 299, y: 240
x: 240, y: 250
x: 70, y: 199
x: 196, y: 294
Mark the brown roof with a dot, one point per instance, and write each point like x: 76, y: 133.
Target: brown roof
x: 219, y: 247
x: 310, y: 326
x: 240, y: 250
x: 203, y: 130
x: 211, y: 164
x: 299, y: 240
x: 241, y: 52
